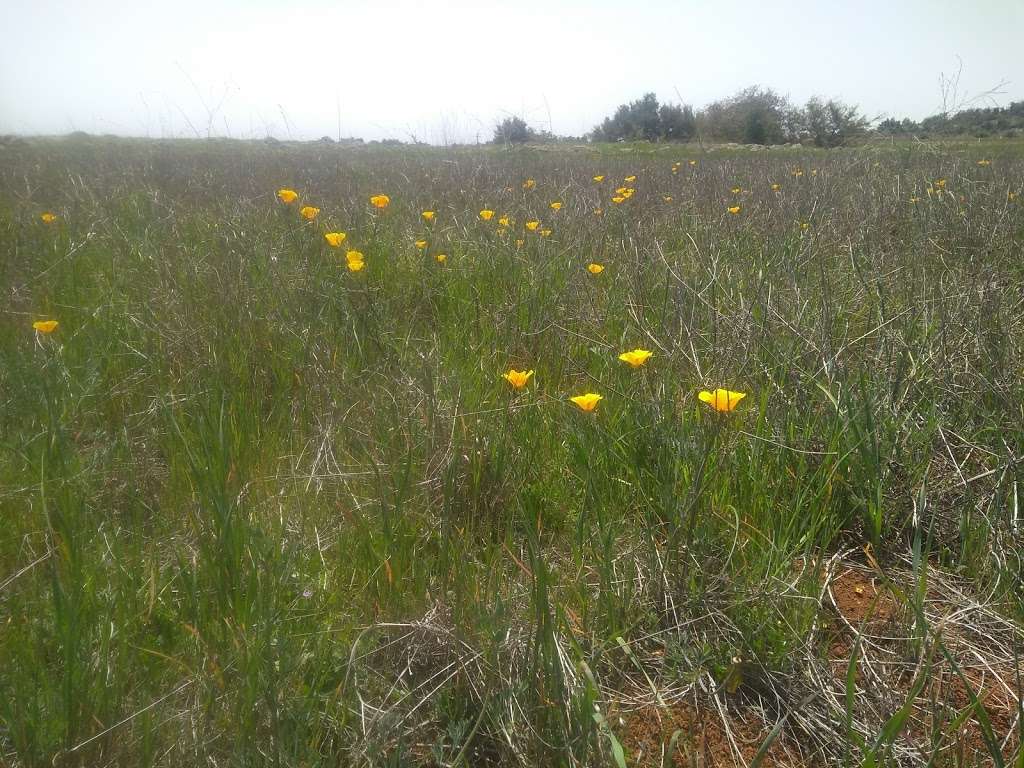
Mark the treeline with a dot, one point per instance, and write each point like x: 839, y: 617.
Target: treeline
x: 979, y: 122
x: 758, y: 115
x: 755, y: 115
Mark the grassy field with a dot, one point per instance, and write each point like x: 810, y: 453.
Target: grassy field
x: 259, y: 508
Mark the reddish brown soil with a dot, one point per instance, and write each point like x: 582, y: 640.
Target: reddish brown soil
x: 861, y: 599
x: 646, y: 735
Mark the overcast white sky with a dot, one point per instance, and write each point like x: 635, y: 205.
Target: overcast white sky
x: 447, y: 70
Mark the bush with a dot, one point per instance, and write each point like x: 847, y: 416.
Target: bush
x: 513, y: 130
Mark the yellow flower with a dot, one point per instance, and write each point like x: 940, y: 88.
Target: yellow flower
x: 599, y: 179
x: 734, y: 209
x: 587, y: 402
x: 630, y: 179
x: 618, y: 199
x: 805, y: 224
x: 776, y: 187
x: 594, y: 268
x: 1011, y: 196
x: 736, y: 190
x: 940, y: 183
x: 545, y: 233
x: 48, y: 218
x: 984, y: 162
x: 722, y: 400
x: 667, y: 198
x: 355, y: 261
x: 45, y: 326
x: 532, y: 225
x: 505, y: 221
x: 441, y: 258
x: 334, y: 239
x: 628, y: 193
x: 421, y: 244
x: 636, y: 357
x: 516, y: 378
x: 309, y: 212
x: 556, y: 205
x: 427, y: 215
x: 798, y: 172
x: 529, y: 184
x: 915, y: 199
x: 287, y: 195
x: 693, y: 162
x: 380, y: 201
x: 620, y: 190
x: 486, y: 214
x: 814, y: 171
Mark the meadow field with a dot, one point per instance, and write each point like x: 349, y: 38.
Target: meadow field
x: 272, y: 498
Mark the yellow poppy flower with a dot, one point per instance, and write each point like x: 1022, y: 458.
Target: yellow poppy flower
x: 355, y: 261
x: 915, y: 199
x: 636, y: 357
x: 620, y: 191
x: 335, y: 239
x: 940, y: 183
x: 45, y: 326
x: 984, y: 162
x: 628, y: 193
x: 421, y: 244
x: 805, y: 225
x: 797, y: 172
x: 776, y: 187
x: 380, y: 201
x: 599, y: 179
x: 309, y: 212
x: 594, y: 268
x: 287, y: 195
x: 545, y: 233
x: 618, y: 199
x: 532, y: 225
x: 734, y: 209
x: 441, y: 258
x: 630, y: 179
x: 722, y: 400
x: 516, y: 378
x: 486, y: 214
x: 529, y: 184
x: 693, y: 162
x: 504, y: 221
x: 587, y: 402
x: 736, y: 190
x: 48, y: 218
x: 427, y: 215
x: 556, y: 205
x: 667, y: 198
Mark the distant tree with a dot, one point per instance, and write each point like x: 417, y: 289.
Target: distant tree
x: 513, y: 130
x: 647, y: 120
x: 678, y: 123
x: 832, y: 123
x: 754, y: 115
x: 637, y: 120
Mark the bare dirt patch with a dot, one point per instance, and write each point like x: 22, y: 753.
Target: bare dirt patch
x: 702, y: 741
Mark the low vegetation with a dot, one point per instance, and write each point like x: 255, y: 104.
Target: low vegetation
x: 318, y: 455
